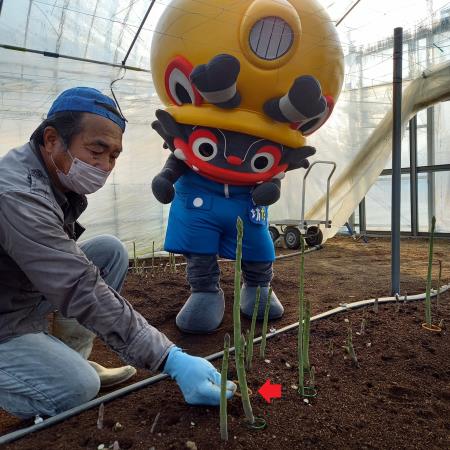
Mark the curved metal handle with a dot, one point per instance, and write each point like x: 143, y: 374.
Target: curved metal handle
x: 331, y: 163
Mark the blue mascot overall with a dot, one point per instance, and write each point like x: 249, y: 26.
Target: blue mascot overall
x: 234, y: 125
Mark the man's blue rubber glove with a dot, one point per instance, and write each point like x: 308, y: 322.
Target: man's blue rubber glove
x: 197, y: 378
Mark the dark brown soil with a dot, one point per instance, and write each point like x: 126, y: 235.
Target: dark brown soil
x: 399, y: 397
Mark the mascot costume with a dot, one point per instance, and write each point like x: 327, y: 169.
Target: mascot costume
x: 243, y: 81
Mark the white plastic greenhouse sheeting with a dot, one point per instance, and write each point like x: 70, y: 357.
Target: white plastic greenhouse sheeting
x: 125, y: 207
x: 356, y: 176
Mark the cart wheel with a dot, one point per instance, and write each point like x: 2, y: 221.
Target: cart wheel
x: 313, y: 236
x: 292, y: 238
x: 274, y: 233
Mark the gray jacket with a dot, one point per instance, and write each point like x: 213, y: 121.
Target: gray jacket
x: 42, y: 268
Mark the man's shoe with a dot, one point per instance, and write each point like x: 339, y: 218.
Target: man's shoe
x: 202, y: 313
x: 112, y: 377
x: 248, y: 299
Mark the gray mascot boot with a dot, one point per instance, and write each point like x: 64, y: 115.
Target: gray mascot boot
x: 202, y: 313
x: 248, y: 299
x: 204, y: 309
x: 258, y: 274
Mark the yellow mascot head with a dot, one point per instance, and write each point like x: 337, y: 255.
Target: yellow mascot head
x: 275, y: 41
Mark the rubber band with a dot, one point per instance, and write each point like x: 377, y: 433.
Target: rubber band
x: 238, y: 394
x: 431, y: 327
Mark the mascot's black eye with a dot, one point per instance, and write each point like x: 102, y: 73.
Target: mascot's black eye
x: 262, y: 162
x: 182, y: 93
x: 204, y: 148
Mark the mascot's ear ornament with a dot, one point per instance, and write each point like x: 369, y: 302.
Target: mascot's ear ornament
x: 178, y: 85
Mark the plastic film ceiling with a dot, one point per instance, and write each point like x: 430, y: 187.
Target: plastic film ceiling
x: 102, y: 30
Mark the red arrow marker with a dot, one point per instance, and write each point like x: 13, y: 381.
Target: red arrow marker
x: 269, y: 391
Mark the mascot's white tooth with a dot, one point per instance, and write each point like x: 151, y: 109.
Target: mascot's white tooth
x: 195, y: 168
x: 280, y: 176
x: 179, y: 154
x: 259, y: 182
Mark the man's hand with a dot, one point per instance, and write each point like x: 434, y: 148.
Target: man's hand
x: 197, y: 378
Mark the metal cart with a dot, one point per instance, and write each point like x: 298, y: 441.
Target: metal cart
x: 291, y: 230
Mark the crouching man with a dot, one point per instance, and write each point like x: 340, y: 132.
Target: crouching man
x: 42, y: 269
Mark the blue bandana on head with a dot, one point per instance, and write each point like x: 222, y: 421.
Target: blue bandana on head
x: 86, y: 99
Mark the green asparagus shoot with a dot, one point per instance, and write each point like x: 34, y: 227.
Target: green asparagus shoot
x: 238, y: 340
x: 153, y: 258
x: 301, y: 314
x: 134, y: 257
x: 262, y: 349
x: 249, y: 354
x: 430, y: 262
x: 362, y: 330
x: 331, y: 349
x: 306, y: 332
x: 397, y: 303
x: 312, y: 377
x: 246, y: 338
x: 439, y: 284
x: 349, y: 347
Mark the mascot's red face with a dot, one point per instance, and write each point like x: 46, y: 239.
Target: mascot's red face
x: 227, y: 156
x: 230, y: 158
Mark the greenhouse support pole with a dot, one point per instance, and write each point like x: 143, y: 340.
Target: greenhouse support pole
x: 73, y: 58
x: 362, y: 216
x: 138, y: 31
x: 347, y: 13
x: 413, y: 174
x: 396, y: 160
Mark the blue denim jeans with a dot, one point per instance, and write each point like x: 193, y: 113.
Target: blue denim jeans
x: 41, y: 375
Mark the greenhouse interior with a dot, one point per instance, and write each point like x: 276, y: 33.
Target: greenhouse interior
x: 96, y: 36
x: 379, y: 180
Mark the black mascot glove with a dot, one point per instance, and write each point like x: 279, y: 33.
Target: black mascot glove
x: 267, y: 193
x: 162, y: 184
x: 303, y: 104
x: 216, y: 81
x: 163, y: 189
x: 306, y: 96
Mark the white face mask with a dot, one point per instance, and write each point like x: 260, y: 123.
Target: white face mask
x: 82, y: 178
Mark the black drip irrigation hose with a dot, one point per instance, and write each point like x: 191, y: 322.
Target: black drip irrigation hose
x: 308, y: 250
x: 13, y: 436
